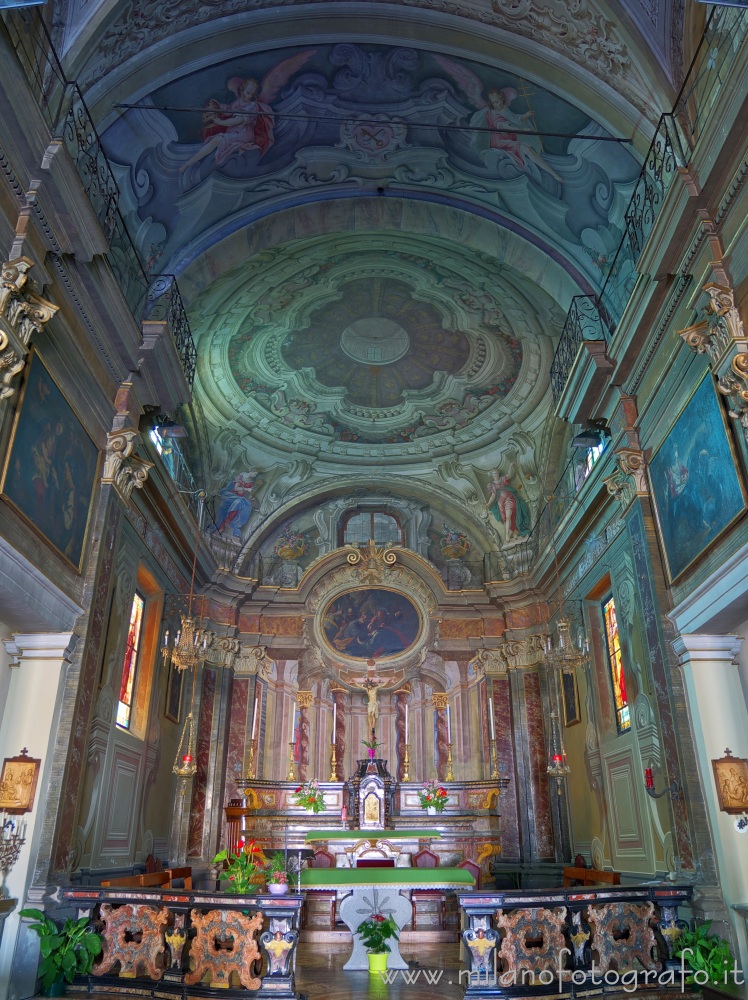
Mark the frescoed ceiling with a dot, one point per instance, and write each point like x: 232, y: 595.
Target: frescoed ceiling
x: 378, y: 216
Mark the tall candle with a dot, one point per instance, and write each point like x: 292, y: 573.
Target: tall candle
x: 406, y: 722
x: 490, y: 716
x: 292, y: 737
x: 334, y: 720
x: 254, y: 718
x: 449, y: 727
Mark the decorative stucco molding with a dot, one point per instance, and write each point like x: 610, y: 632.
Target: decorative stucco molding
x: 122, y: 468
x: 253, y: 660
x: 23, y: 313
x: 631, y: 463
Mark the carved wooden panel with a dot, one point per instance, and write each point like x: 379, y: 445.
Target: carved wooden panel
x: 621, y: 933
x: 533, y: 941
x: 133, y: 936
x: 225, y: 943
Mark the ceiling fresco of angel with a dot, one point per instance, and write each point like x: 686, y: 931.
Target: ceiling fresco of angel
x: 205, y: 153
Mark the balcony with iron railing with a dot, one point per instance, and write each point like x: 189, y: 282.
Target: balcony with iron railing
x: 582, y: 363
x: 64, y: 110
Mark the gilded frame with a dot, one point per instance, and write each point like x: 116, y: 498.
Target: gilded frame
x: 55, y: 468
x: 18, y: 781
x: 731, y: 782
x: 679, y: 488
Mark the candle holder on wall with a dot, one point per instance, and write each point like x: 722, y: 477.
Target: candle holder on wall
x: 673, y: 788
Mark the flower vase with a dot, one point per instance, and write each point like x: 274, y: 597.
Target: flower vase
x: 371, y: 753
x: 277, y: 888
x: 430, y: 810
x: 377, y: 961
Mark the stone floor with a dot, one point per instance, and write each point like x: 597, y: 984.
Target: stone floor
x: 433, y: 974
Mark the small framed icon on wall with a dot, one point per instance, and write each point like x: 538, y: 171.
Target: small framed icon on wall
x: 18, y: 783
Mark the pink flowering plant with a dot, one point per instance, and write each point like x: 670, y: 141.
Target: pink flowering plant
x: 376, y: 931
x: 309, y: 797
x: 433, y: 796
x: 240, y: 866
x: 276, y: 871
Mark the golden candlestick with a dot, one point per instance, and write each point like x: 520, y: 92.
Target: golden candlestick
x: 291, y: 748
x: 334, y: 763
x: 450, y: 776
x: 251, y: 761
x: 494, y: 760
x: 406, y: 762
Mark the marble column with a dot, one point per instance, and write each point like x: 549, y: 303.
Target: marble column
x: 720, y: 721
x: 339, y: 697
x: 401, y: 737
x: 31, y: 720
x: 541, y: 822
x: 439, y: 701
x: 305, y: 699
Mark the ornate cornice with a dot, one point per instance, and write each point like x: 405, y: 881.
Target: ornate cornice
x: 23, y: 313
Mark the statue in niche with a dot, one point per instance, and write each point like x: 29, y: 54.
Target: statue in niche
x: 507, y: 506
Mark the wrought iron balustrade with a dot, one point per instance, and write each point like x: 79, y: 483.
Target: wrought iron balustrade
x: 165, y: 303
x: 586, y: 320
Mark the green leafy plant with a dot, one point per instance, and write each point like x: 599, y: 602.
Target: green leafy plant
x: 376, y: 931
x: 371, y: 744
x: 66, y: 950
x: 433, y: 796
x: 701, y: 951
x: 277, y: 871
x: 240, y: 867
x: 309, y: 796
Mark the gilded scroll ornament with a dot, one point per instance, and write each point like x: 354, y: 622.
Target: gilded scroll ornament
x: 631, y: 463
x: 211, y: 956
x: 622, y: 934
x: 133, y: 935
x: 537, y: 924
x: 371, y: 561
x: 23, y: 313
x: 122, y: 467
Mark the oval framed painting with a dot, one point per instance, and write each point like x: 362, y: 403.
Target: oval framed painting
x: 371, y: 623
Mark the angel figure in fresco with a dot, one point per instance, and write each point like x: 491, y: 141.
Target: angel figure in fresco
x: 495, y: 113
x: 247, y: 122
x: 234, y: 507
x: 507, y: 506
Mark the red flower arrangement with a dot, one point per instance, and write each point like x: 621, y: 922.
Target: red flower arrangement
x: 433, y: 796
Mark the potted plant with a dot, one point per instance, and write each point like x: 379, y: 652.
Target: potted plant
x: 310, y: 797
x: 705, y: 954
x: 372, y: 746
x: 276, y: 874
x: 375, y: 932
x: 66, y: 951
x: 241, y: 867
x: 433, y: 797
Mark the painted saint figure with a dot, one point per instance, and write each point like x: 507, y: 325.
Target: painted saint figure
x: 234, y: 507
x: 507, y: 506
x: 495, y: 113
x: 247, y: 122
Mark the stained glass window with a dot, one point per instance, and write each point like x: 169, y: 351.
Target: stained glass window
x: 615, y: 662
x: 132, y: 646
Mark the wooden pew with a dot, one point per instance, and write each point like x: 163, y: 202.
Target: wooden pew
x: 151, y: 879
x: 590, y: 876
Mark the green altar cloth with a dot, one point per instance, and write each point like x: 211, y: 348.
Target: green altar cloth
x: 371, y: 835
x: 406, y: 878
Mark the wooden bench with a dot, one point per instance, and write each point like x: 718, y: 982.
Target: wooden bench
x: 590, y: 876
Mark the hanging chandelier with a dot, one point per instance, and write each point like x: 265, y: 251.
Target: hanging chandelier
x: 563, y: 651
x: 188, y: 649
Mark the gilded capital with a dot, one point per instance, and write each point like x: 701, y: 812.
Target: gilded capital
x: 122, y: 468
x: 305, y: 698
x: 631, y: 463
x: 23, y: 313
x: 439, y: 700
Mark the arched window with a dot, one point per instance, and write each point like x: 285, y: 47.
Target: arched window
x: 362, y: 526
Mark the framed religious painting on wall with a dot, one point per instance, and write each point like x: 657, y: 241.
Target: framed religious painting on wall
x: 731, y: 780
x: 570, y: 696
x: 174, y: 693
x: 18, y: 783
x: 51, y: 469
x: 697, y: 490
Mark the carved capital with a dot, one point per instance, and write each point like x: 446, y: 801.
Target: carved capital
x: 305, y: 698
x: 439, y: 700
x: 619, y: 486
x: 253, y: 660
x: 631, y: 463
x: 526, y: 652
x: 719, y: 328
x: 122, y: 468
x: 489, y: 661
x: 23, y: 313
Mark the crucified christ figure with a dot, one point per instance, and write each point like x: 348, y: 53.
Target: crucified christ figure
x: 370, y: 686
